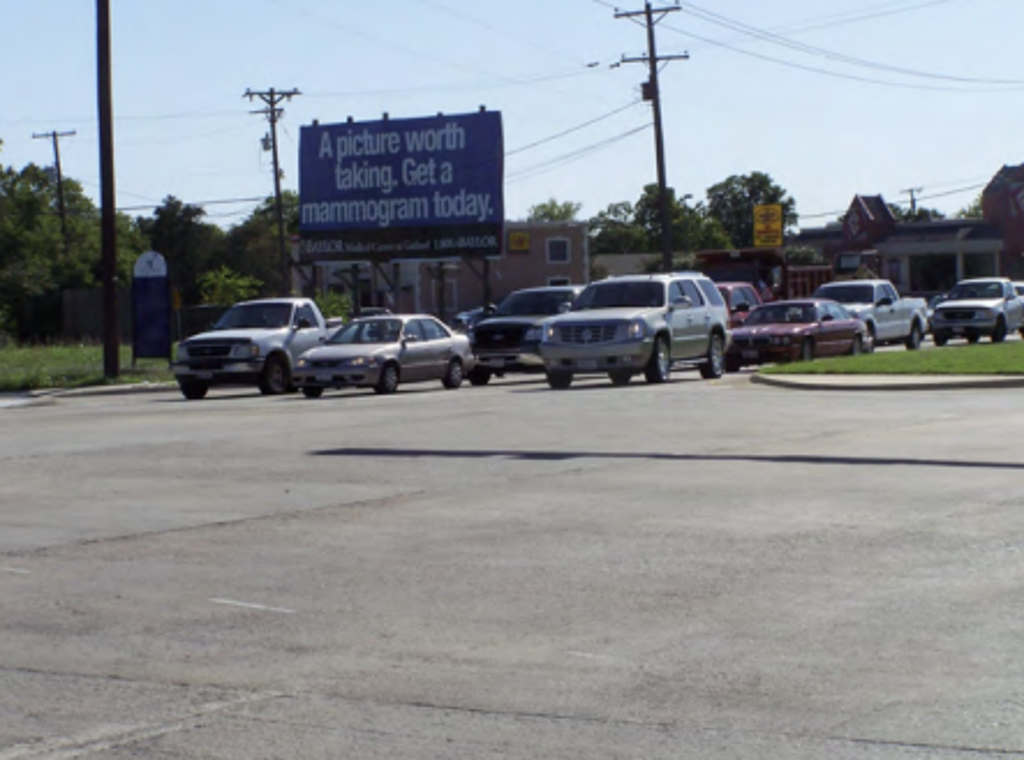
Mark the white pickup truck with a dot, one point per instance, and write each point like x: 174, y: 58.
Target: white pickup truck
x: 253, y: 343
x: 888, y: 317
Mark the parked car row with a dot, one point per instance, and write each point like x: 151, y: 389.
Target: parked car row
x: 621, y: 327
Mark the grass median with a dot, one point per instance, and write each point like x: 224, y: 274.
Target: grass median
x: 980, y: 359
x: 33, y: 368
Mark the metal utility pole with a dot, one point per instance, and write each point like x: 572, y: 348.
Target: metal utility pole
x: 272, y: 98
x: 108, y: 228
x: 651, y: 92
x: 55, y: 136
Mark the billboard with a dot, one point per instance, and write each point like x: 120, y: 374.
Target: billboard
x: 402, y: 188
x: 768, y: 226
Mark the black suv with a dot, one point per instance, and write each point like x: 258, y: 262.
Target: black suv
x: 507, y: 339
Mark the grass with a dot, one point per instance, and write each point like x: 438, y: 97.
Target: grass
x: 980, y: 359
x: 71, y: 366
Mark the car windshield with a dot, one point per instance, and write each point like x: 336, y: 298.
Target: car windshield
x: 780, y: 314
x: 965, y: 290
x: 255, y: 315
x: 607, y: 295
x: 847, y: 293
x: 528, y: 303
x: 368, y: 331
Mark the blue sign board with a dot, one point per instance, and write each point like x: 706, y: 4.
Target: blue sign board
x: 402, y: 188
x: 151, y: 308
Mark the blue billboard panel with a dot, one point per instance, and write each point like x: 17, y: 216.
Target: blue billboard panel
x: 402, y: 188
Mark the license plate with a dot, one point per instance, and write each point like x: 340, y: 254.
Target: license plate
x: 750, y: 354
x: 958, y: 331
x: 325, y: 376
x: 587, y: 364
x: 204, y: 375
x: 494, y: 362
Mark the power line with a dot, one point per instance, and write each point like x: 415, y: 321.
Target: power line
x: 532, y: 171
x: 569, y: 131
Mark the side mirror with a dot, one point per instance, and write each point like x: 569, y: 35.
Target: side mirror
x: 682, y: 302
x: 409, y: 339
x: 490, y: 309
x: 742, y: 308
x: 303, y: 324
x: 827, y: 317
x: 564, y: 307
x: 886, y: 301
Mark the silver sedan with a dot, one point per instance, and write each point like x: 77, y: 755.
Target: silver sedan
x: 382, y: 352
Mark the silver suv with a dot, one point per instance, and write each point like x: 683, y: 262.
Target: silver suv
x: 623, y: 326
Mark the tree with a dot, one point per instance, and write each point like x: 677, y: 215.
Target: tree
x: 732, y: 203
x: 972, y: 210
x: 919, y: 214
x: 190, y: 245
x: 554, y: 211
x: 615, y: 230
x: 224, y: 286
x: 252, y: 246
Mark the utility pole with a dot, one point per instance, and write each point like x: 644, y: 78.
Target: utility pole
x: 273, y: 99
x: 912, y: 192
x: 108, y: 228
x: 651, y: 92
x: 55, y: 136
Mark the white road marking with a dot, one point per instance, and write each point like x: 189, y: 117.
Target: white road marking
x: 589, y: 656
x: 250, y: 606
x: 15, y: 571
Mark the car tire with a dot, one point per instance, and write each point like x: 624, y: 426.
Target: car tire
x: 193, y: 390
x: 940, y: 339
x: 620, y: 377
x: 913, y: 341
x: 857, y: 348
x: 999, y: 334
x: 387, y: 383
x: 559, y: 380
x: 276, y: 377
x: 807, y: 350
x: 659, y: 366
x: 714, y: 367
x: 479, y: 376
x: 312, y: 391
x: 453, y: 375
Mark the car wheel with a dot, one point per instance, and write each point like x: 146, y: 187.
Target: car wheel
x: 312, y: 391
x: 620, y: 377
x: 714, y: 367
x: 914, y: 339
x: 388, y: 381
x: 453, y: 377
x: 999, y: 334
x: 276, y: 377
x: 559, y: 380
x: 858, y: 346
x: 659, y: 366
x: 732, y: 364
x: 193, y: 390
x: 807, y: 350
x: 940, y: 339
x: 479, y: 376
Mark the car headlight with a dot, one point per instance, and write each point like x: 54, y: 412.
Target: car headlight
x: 362, y: 361
x: 181, y: 352
x: 301, y: 362
x: 244, y: 350
x: 533, y: 334
x: 548, y: 332
x: 637, y: 329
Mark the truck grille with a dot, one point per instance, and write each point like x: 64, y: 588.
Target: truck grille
x: 498, y: 337
x: 743, y: 342
x: 588, y: 334
x: 962, y: 315
x: 209, y: 350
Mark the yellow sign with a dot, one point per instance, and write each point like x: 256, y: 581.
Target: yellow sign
x: 768, y: 226
x: 519, y: 241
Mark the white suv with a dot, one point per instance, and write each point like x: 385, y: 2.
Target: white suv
x: 623, y: 326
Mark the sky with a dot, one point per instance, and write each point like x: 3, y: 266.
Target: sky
x: 831, y: 98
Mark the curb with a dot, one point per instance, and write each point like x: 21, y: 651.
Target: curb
x: 102, y: 390
x: 887, y: 383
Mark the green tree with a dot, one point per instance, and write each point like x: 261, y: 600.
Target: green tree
x: 552, y: 210
x: 224, y: 287
x: 190, y: 245
x: 971, y: 210
x: 732, y: 203
x: 252, y: 246
x: 693, y: 228
x: 615, y: 230
x: 919, y: 214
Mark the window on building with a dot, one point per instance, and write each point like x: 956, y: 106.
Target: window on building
x: 558, y: 281
x: 558, y: 250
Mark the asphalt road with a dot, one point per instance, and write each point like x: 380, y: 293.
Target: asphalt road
x: 695, y: 570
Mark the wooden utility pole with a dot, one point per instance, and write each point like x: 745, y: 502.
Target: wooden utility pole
x: 108, y: 228
x: 273, y: 99
x: 651, y: 92
x: 55, y: 136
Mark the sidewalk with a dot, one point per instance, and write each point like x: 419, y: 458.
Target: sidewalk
x: 888, y: 382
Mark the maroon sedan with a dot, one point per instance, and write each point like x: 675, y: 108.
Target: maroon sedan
x: 785, y: 331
